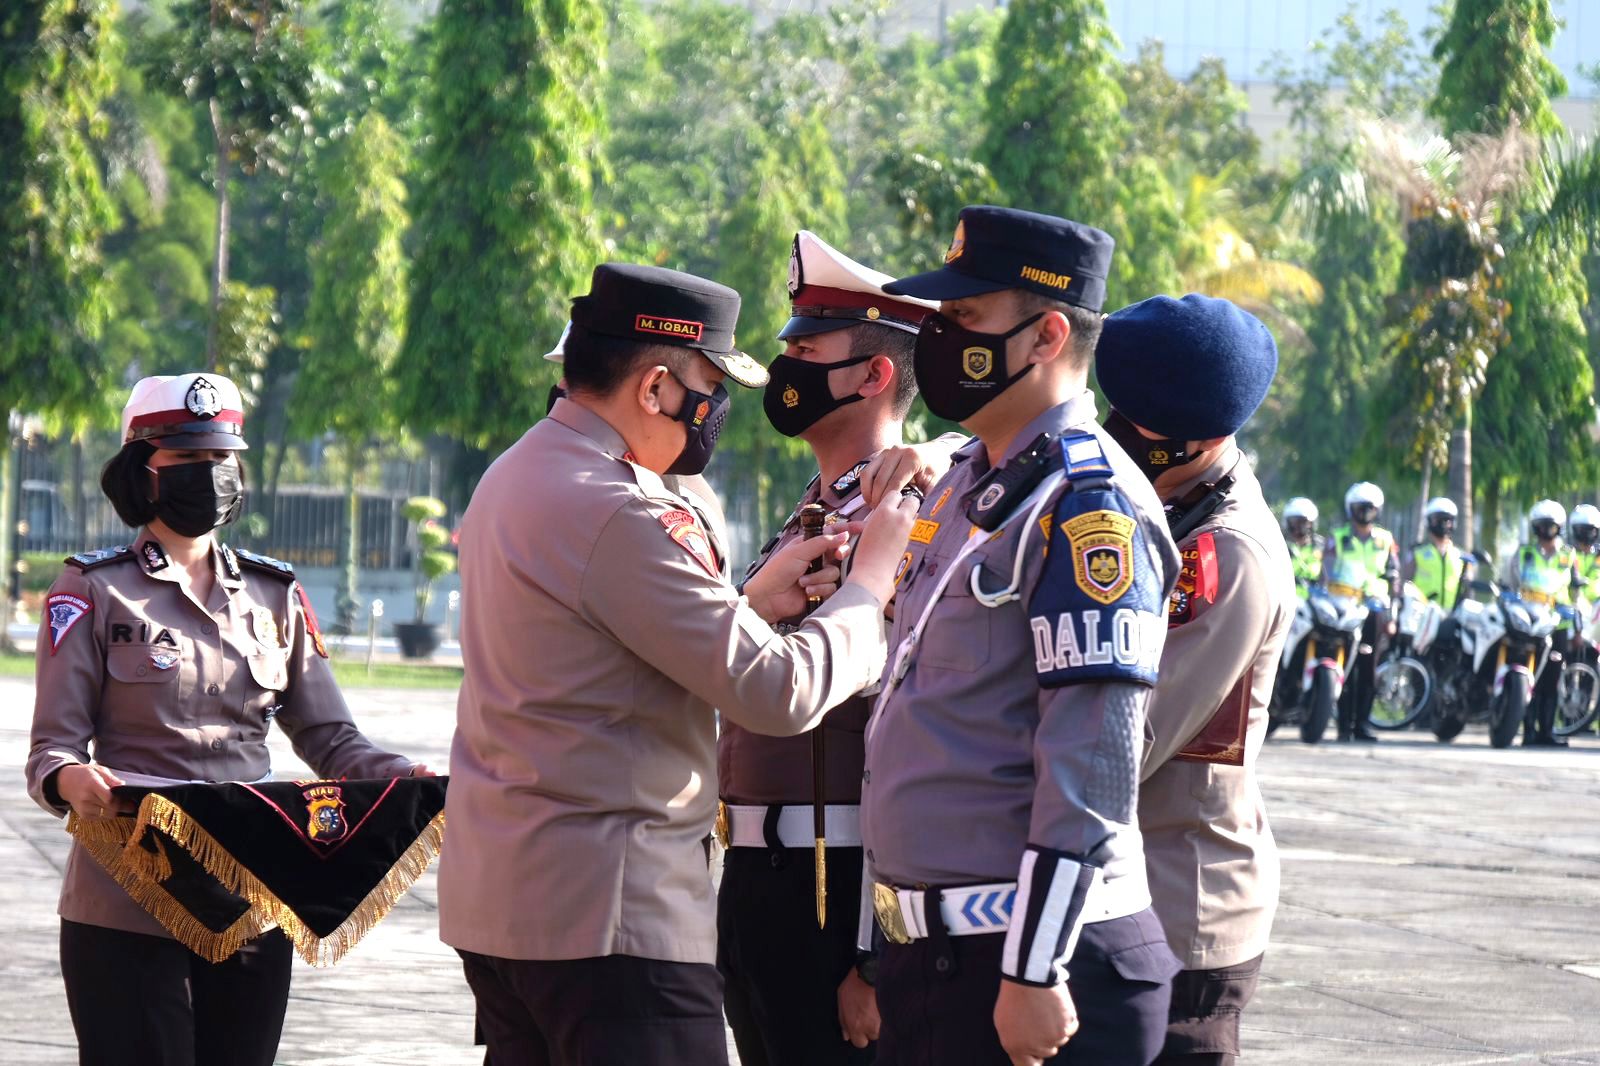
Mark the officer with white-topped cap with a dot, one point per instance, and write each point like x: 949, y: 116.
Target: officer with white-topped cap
x: 169, y: 658
x: 999, y: 805
x: 786, y: 921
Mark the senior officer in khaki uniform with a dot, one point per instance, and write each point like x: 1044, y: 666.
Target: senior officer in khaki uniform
x: 787, y: 951
x: 598, y: 637
x: 167, y: 660
x: 1212, y: 862
x: 999, y: 801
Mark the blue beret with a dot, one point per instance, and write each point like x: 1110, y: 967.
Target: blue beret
x: 1189, y: 369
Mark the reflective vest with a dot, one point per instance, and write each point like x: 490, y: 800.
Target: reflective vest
x: 1589, y: 572
x: 1307, y: 561
x: 1544, y: 579
x: 1360, y: 564
x: 1438, y: 572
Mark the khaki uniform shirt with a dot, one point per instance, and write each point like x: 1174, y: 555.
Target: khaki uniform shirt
x: 599, y: 636
x: 1208, y: 848
x: 1018, y: 725
x: 137, y: 674
x: 754, y: 768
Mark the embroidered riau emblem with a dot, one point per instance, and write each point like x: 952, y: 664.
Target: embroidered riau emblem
x: 155, y: 556
x: 326, y: 822
x: 64, y: 610
x: 1102, y: 554
x: 203, y: 400
x: 977, y: 362
x: 163, y: 659
x: 681, y: 527
x: 265, y: 627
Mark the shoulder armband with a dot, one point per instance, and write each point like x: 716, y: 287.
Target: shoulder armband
x: 101, y: 557
x: 252, y: 561
x: 1097, y: 613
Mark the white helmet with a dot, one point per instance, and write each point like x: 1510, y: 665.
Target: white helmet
x: 1362, y: 492
x: 1440, y: 505
x: 1547, y: 511
x: 1300, y: 507
x: 1585, y: 523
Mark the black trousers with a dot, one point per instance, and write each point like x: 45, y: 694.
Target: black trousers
x: 782, y: 973
x: 150, y: 1000
x: 937, y: 997
x: 1355, y: 702
x: 1203, y: 1023
x: 615, y: 1010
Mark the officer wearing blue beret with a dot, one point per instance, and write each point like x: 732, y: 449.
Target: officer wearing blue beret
x: 999, y: 801
x: 1182, y: 378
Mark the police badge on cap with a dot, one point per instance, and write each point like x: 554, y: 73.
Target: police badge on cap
x: 202, y: 399
x: 185, y: 411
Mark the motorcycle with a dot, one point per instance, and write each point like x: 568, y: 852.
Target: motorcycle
x: 1402, y: 683
x: 1323, y: 641
x: 1488, y: 670
x: 1578, y: 693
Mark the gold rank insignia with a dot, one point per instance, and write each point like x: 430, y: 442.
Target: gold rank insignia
x: 1102, y: 554
x: 265, y: 627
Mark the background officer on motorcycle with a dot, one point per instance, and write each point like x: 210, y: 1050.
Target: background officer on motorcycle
x: 1361, y: 561
x: 1434, y: 565
x: 1543, y: 571
x: 1305, y: 547
x: 1584, y: 528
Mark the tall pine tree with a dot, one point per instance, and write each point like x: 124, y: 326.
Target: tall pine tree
x: 505, y: 226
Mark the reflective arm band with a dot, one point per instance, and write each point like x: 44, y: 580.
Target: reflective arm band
x: 1052, y: 888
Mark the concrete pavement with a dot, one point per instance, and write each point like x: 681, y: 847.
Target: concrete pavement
x: 1441, y: 907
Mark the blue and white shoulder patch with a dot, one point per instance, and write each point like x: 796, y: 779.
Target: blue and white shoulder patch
x: 1097, y: 613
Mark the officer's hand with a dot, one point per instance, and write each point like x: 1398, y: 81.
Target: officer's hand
x: 88, y: 789
x: 858, y: 1010
x: 421, y: 770
x: 781, y: 588
x: 1034, y: 1023
x: 882, y: 543
x: 905, y: 464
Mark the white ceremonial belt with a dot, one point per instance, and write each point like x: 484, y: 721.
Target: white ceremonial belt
x: 747, y: 826
x: 973, y: 909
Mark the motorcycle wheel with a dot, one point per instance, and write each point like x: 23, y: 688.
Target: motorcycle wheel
x: 1446, y: 728
x: 1577, y: 698
x: 1403, y: 686
x: 1509, y: 711
x: 1322, y: 701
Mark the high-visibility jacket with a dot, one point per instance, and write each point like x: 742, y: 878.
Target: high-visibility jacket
x: 1438, y: 572
x: 1366, y: 564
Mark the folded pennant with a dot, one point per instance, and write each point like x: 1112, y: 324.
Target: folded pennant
x: 218, y: 864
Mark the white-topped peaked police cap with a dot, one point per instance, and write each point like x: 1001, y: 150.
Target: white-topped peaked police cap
x: 185, y: 411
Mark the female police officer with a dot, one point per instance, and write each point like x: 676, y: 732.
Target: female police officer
x: 170, y: 657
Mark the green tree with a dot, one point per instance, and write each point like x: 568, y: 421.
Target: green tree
x: 57, y: 62
x: 249, y: 62
x: 1494, y: 73
x: 356, y: 319
x: 505, y: 226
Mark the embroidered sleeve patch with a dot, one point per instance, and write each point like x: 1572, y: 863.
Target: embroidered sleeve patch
x: 1196, y: 581
x: 311, y: 621
x: 64, y: 610
x: 1096, y: 613
x: 682, y: 528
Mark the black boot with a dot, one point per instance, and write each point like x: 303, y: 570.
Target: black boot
x: 1547, y: 723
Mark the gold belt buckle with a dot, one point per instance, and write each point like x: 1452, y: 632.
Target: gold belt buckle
x: 721, y: 827
x: 886, y: 902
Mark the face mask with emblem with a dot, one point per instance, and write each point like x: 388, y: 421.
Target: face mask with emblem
x: 192, y: 499
x: 960, y: 370
x: 1153, y: 455
x: 704, y: 416
x: 798, y: 395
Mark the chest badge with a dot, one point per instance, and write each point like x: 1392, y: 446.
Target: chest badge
x: 265, y: 627
x: 325, y: 822
x: 163, y: 659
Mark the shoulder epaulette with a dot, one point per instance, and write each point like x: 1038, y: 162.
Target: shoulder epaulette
x: 100, y: 557
x: 267, y: 563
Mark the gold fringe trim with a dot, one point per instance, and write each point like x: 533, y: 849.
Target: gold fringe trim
x: 114, y: 844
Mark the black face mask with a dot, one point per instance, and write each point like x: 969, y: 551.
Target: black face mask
x: 798, y: 395
x: 1441, y: 525
x: 1364, y: 514
x: 958, y: 369
x: 705, y: 416
x: 192, y: 499
x: 1585, y: 536
x: 1154, y: 456
x: 1546, y: 530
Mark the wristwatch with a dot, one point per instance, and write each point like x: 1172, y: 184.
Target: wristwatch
x: 867, y: 968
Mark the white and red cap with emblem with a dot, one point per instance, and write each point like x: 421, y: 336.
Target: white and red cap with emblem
x: 185, y: 411
x: 830, y: 291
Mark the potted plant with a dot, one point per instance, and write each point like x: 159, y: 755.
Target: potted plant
x: 419, y: 638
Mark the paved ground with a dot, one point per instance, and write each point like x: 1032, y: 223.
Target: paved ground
x: 1441, y: 908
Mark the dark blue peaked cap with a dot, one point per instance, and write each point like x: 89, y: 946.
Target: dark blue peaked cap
x: 999, y: 248
x: 1189, y: 369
